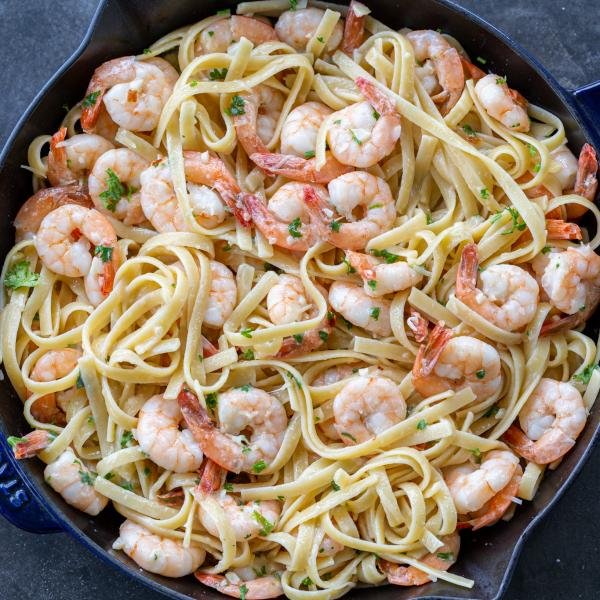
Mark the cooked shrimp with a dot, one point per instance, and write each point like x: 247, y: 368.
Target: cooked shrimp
x: 32, y: 213
x: 333, y: 375
x: 364, y: 133
x: 366, y: 407
x: 287, y: 301
x: 239, y: 409
x: 219, y: 36
x: 222, y: 296
x: 309, y: 340
x: 159, y: 436
x: 354, y: 28
x: 418, y: 325
x: 297, y: 27
x: 551, y: 420
x: 164, y: 556
x: 482, y: 490
x: 365, y: 201
x: 114, y: 185
x: 287, y: 203
x: 502, y: 103
x: 70, y: 161
x: 68, y: 476
x: 255, y: 126
x: 241, y: 516
x: 447, y: 363
x: 585, y: 181
x: 372, y: 314
x: 300, y: 128
x: 557, y: 229
x: 432, y: 46
x: 63, y: 244
x: 251, y: 589
x: 508, y: 297
x: 53, y: 365
x: 29, y: 445
x: 382, y: 278
x: 133, y: 92
x: 442, y: 559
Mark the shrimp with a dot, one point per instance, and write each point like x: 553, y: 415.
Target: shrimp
x: 222, y: 296
x: 446, y: 62
x: 484, y: 491
x: 256, y: 124
x: 219, y: 36
x: 354, y: 28
x: 156, y: 554
x: 442, y: 559
x: 366, y: 407
x: 372, y: 314
x: 365, y: 201
x: 287, y: 203
x: 309, y: 340
x: 382, y: 278
x: 242, y: 517
x: 252, y: 589
x: 133, y: 92
x: 287, y: 301
x: 53, y: 365
x: 239, y: 409
x: 447, y: 363
x: 585, y: 180
x: 297, y: 27
x: 557, y: 229
x: 418, y: 325
x: 159, y: 436
x: 114, y: 185
x: 63, y: 244
x: 70, y: 161
x: 333, y: 375
x: 364, y: 133
x: 32, y: 212
x: 551, y: 420
x: 508, y: 297
x: 502, y: 103
x: 68, y: 476
x: 29, y: 445
x: 300, y: 128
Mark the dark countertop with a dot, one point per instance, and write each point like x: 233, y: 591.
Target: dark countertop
x: 559, y: 560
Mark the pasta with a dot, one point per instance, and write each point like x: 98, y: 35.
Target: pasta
x: 303, y: 300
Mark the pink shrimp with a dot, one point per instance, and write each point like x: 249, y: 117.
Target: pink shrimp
x: 354, y: 29
x: 29, y: 445
x: 255, y: 589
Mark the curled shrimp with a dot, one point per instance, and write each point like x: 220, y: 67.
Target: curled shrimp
x: 362, y: 134
x: 363, y: 200
x: 442, y: 559
x: 159, y: 436
x: 354, y: 28
x: 551, y: 420
x: 239, y: 409
x: 297, y: 27
x: 114, y: 185
x: 372, y: 314
x: 446, y: 65
x: 133, y: 92
x: 156, y: 554
x: 68, y: 476
x: 484, y: 492
x: 71, y: 160
x: 300, y: 128
x: 63, y: 243
x: 251, y: 589
x: 367, y: 406
x: 222, y: 34
x: 382, y: 278
x: 222, y: 296
x: 32, y: 212
x: 502, y: 103
x: 447, y: 363
x: 255, y: 126
x: 508, y: 297
x: 53, y: 365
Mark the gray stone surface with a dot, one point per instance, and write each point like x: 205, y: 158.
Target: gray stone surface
x: 559, y: 560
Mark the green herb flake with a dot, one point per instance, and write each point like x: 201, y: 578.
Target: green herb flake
x: 347, y: 324
x: 349, y: 436
x: 246, y: 449
x: 243, y: 591
x: 294, y: 228
x: 211, y: 401
x: 372, y: 284
x: 126, y: 439
x: 228, y: 487
x: 147, y: 471
x: 247, y: 332
x: 388, y: 257
x: 355, y: 138
x: 115, y: 190
x: 585, y: 375
x: 349, y: 268
x: 546, y: 249
x: 248, y: 354
x: 225, y: 12
x: 90, y: 99
x: 492, y: 411
x: 532, y: 149
x: 20, y: 275
x: 334, y: 486
x: 104, y: 252
x: 469, y: 131
x: 376, y: 205
x: 281, y: 498
x: 309, y: 154
x: 260, y: 572
x: 335, y: 226
x: 266, y: 525
x: 501, y: 80
x: 448, y: 556
x: 293, y: 4
x: 476, y: 452
x: 421, y: 424
x: 236, y: 107
x: 147, y: 51
x: 323, y: 335
x: 269, y: 267
x: 298, y: 337
x: 537, y: 167
x: 217, y: 74
x: 79, y: 383
x: 375, y: 114
x: 337, y: 122
x: 86, y: 477
x: 320, y: 39
x: 210, y: 33
x: 484, y: 193
x: 306, y: 582
x: 375, y: 312
x: 245, y: 388
x: 259, y: 466
x: 516, y: 224
x: 481, y: 60
x: 480, y: 374
x: 193, y: 83
x: 110, y: 475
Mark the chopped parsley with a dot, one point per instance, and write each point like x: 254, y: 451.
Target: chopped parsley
x: 211, y: 33
x: 501, y: 80
x: 388, y: 257
x: 519, y: 226
x: 269, y: 267
x: 246, y: 449
x: 104, y: 252
x: 355, y: 138
x: 429, y: 219
x: 484, y: 193
x: 334, y: 486
x: 306, y: 582
x: 243, y: 591
x: 127, y: 485
x: 372, y: 284
x: 259, y: 466
x: 445, y: 556
x: 114, y: 191
x: 469, y: 131
x: 492, y: 411
x: 217, y: 74
x: 298, y: 337
x: 126, y: 439
x: 248, y: 354
x: 236, y: 107
x: 79, y: 383
x: 349, y: 268
x: 245, y: 388
x: 147, y: 51
x: 193, y: 83
x: 90, y: 99
x: 323, y: 335
x: 376, y: 205
x: 537, y: 167
x: 87, y: 477
x: 294, y: 228
x: 309, y: 154
x: 349, y: 436
x: 20, y: 275
x: 225, y: 12
x: 375, y: 114
x: 480, y: 374
x: 421, y: 424
x: 546, y: 249
x: 147, y: 471
x: 532, y: 150
x: 347, y: 324
x: 476, y: 452
x: 320, y: 39
x: 585, y: 375
x: 266, y: 525
x: 374, y: 312
x: 337, y: 122
x: 247, y: 332
x: 228, y: 487
x: 293, y: 4
x: 260, y: 572
x: 481, y: 60
x: 211, y: 401
x: 335, y: 226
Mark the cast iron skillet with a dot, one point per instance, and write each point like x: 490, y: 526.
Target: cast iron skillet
x: 122, y: 27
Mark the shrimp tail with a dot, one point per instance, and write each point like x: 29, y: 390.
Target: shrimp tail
x: 559, y: 229
x: 316, y: 210
x: 262, y: 588
x: 552, y: 326
x: 586, y: 182
x: 403, y: 576
x: 91, y: 110
x: 430, y: 352
x: 418, y: 325
x: 471, y: 71
x: 466, y: 277
x: 212, y: 477
x: 299, y: 169
x: 380, y: 102
x: 29, y: 445
x: 208, y: 348
x: 354, y: 30
x: 363, y: 263
x: 541, y: 454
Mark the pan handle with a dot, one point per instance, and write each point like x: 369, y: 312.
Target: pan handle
x: 20, y: 504
x: 587, y: 100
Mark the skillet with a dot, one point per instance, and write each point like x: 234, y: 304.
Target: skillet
x: 122, y: 27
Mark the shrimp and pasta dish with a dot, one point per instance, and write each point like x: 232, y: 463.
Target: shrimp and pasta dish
x: 302, y: 297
